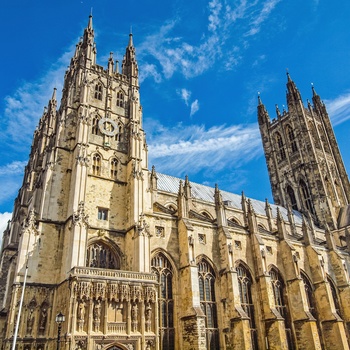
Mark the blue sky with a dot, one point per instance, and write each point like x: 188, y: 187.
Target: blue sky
x: 202, y: 64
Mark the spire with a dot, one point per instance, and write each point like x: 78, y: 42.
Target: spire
x: 129, y: 65
x: 263, y: 116
x: 110, y: 63
x: 88, y: 44
x: 293, y: 94
x: 278, y: 113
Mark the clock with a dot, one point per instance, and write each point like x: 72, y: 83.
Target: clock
x: 108, y: 126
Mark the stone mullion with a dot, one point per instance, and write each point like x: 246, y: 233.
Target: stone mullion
x: 128, y: 318
x: 142, y: 325
x: 104, y: 306
x: 90, y: 316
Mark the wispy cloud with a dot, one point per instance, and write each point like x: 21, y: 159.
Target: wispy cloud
x: 256, y: 23
x: 166, y: 53
x: 14, y: 168
x: 4, y: 218
x: 22, y: 108
x: 194, y: 148
x: 339, y: 108
x: 194, y: 107
x: 185, y: 95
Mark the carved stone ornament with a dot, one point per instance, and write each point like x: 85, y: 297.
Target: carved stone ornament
x: 79, y: 217
x: 142, y: 227
x: 30, y: 223
x: 108, y: 126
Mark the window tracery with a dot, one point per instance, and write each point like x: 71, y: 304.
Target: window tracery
x: 206, y: 279
x: 280, y: 144
x: 96, y: 164
x: 95, y: 129
x: 113, y: 168
x: 162, y: 268
x: 100, y: 256
x: 334, y: 296
x: 245, y: 292
x: 98, y: 92
x: 292, y: 139
x: 281, y: 304
x: 293, y: 200
x: 120, y: 99
x: 306, y: 196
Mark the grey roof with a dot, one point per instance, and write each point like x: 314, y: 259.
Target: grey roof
x: 170, y: 184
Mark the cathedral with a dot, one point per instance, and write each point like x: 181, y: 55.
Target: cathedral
x: 105, y: 253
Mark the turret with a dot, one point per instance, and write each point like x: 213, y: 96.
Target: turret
x: 263, y: 116
x: 293, y: 94
x: 129, y: 65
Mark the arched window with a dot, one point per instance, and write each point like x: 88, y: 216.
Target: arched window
x: 96, y: 164
x: 245, y: 293
x: 206, y: 278
x: 100, y: 255
x: 280, y: 144
x: 334, y: 296
x: 113, y: 167
x: 163, y: 269
x: 292, y: 139
x: 309, y: 295
x: 281, y: 303
x: 292, y: 198
x: 306, y: 196
x: 120, y: 99
x: 95, y: 129
x: 98, y: 92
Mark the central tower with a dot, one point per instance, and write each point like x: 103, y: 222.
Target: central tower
x: 303, y: 159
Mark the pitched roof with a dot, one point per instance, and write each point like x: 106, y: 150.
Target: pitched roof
x: 170, y: 184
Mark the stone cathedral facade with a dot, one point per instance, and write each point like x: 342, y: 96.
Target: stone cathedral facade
x: 139, y: 260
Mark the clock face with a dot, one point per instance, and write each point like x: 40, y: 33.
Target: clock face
x: 108, y: 127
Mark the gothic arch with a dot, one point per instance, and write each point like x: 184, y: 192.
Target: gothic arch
x: 95, y: 118
x: 306, y: 195
x: 291, y: 196
x: 207, y: 214
x: 201, y: 257
x: 167, y: 256
x: 235, y: 221
x: 108, y: 245
x: 245, y: 265
x: 96, y: 163
x: 115, y: 346
x: 291, y: 138
x: 280, y: 145
x: 171, y: 206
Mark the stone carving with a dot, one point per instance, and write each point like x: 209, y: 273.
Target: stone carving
x: 148, y: 317
x: 134, y: 317
x: 81, y: 315
x: 142, y: 227
x: 30, y: 223
x: 79, y: 217
x: 97, y: 314
x: 30, y: 321
x: 43, y: 318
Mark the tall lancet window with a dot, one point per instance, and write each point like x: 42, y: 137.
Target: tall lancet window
x: 245, y: 293
x: 281, y: 303
x: 309, y: 295
x: 113, y: 167
x: 163, y: 269
x: 306, y: 196
x: 98, y: 92
x: 334, y: 296
x: 206, y: 278
x: 291, y: 195
x: 96, y: 164
x: 95, y: 129
x: 282, y: 152
x: 120, y: 99
x: 292, y: 140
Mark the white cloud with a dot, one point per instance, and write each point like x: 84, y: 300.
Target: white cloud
x: 339, y: 108
x: 185, y: 95
x: 14, y: 168
x: 194, y: 107
x: 263, y: 15
x: 4, y: 218
x: 22, y: 108
x: 194, y: 148
x: 168, y: 54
